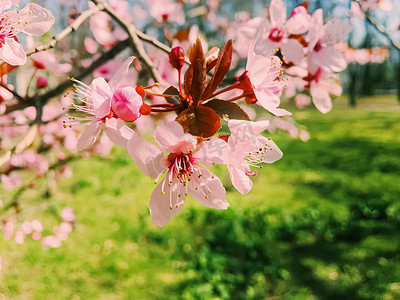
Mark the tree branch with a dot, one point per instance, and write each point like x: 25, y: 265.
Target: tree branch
x: 371, y: 20
x: 21, y: 189
x: 16, y: 95
x: 135, y: 43
x: 42, y: 99
x: 156, y: 43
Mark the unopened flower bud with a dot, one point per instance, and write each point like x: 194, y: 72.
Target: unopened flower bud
x: 298, y: 10
x: 126, y: 103
x: 177, y: 58
x: 145, y: 109
x: 41, y: 83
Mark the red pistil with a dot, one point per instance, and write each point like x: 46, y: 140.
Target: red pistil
x: 276, y: 35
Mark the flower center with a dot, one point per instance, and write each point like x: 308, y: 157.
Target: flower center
x: 276, y: 34
x: 256, y: 157
x: 318, y: 47
x: 181, y: 165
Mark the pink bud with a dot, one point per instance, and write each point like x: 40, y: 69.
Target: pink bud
x: 177, y: 58
x: 126, y: 103
x: 298, y: 10
x: 41, y: 83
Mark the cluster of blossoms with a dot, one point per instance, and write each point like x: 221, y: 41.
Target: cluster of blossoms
x: 307, y: 46
x: 34, y: 230
x: 32, y: 19
x: 186, y: 110
x: 188, y: 140
x: 375, y: 55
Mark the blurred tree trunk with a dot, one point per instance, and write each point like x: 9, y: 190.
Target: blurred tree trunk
x: 352, y: 88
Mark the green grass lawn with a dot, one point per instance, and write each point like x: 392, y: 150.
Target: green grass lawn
x: 322, y: 223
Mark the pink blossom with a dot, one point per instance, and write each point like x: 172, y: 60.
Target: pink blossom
x: 321, y: 85
x: 36, y: 226
x: 184, y: 169
x: 100, y: 24
x: 376, y: 4
x: 68, y: 215
x: 260, y: 81
x: 47, y: 59
x: 8, y: 230
x: 12, y: 180
x: 167, y: 11
x: 109, y: 69
x: 32, y: 19
x: 322, y: 52
x: 248, y: 148
x: 126, y: 103
x: 27, y: 227
x: 30, y: 160
x: 286, y: 125
x: 97, y: 108
x: 90, y: 45
x: 275, y: 35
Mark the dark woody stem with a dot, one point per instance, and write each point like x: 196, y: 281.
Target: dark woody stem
x: 167, y: 109
x: 167, y: 105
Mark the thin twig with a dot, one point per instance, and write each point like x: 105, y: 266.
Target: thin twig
x: 156, y: 43
x: 16, y: 95
x: 42, y: 99
x: 21, y: 189
x: 135, y: 42
x: 380, y: 27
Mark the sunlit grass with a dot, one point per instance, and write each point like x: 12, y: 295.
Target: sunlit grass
x: 349, y: 170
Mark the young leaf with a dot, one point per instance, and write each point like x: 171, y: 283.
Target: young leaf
x: 221, y: 68
x: 162, y: 90
x: 199, y: 121
x: 187, y: 83
x: 196, y: 57
x: 228, y: 109
x: 211, y: 58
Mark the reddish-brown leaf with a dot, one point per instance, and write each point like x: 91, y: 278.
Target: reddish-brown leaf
x: 187, y: 83
x: 199, y: 121
x: 162, y: 90
x: 221, y: 68
x: 196, y: 57
x: 211, y: 58
x: 227, y: 109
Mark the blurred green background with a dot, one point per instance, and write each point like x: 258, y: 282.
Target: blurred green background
x: 321, y: 223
